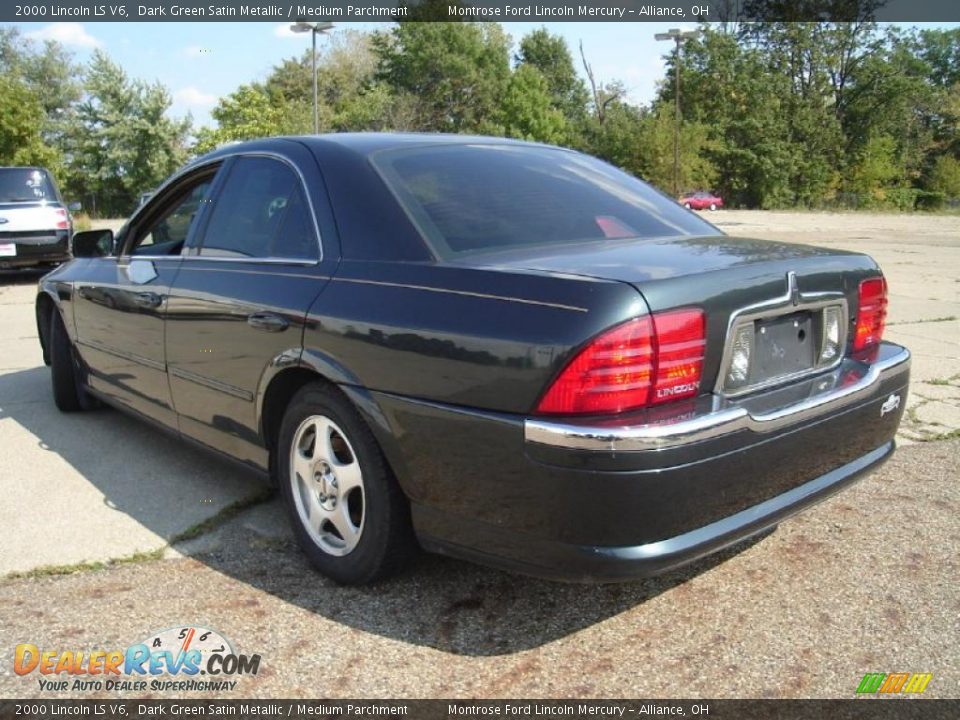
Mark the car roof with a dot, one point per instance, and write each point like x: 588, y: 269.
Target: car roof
x: 364, y: 144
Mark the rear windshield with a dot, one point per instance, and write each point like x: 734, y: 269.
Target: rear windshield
x: 25, y: 184
x: 475, y: 198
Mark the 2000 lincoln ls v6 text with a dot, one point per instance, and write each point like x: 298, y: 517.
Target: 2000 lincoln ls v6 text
x: 498, y: 350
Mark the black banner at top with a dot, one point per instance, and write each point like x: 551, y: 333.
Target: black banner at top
x: 494, y: 10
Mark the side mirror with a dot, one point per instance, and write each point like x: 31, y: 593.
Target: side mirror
x: 74, y: 207
x: 93, y: 243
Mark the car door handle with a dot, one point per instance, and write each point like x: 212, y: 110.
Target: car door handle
x: 270, y: 322
x: 147, y: 299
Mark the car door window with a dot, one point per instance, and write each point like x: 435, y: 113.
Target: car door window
x: 166, y: 235
x: 261, y: 212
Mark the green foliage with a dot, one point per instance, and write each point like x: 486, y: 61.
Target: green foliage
x: 247, y: 113
x: 945, y: 176
x: 773, y: 115
x: 940, y: 50
x: 550, y: 55
x: 527, y: 108
x: 49, y: 72
x: 458, y: 72
x: 121, y: 142
x: 875, y: 169
x: 21, y: 117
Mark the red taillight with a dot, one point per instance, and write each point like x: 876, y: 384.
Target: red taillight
x: 681, y: 338
x: 642, y: 362
x: 872, y: 313
x: 62, y: 218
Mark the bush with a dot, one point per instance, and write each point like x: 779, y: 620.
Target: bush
x: 902, y: 199
x: 931, y: 200
x: 81, y: 222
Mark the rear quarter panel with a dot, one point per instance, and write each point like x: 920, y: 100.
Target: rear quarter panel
x: 473, y: 337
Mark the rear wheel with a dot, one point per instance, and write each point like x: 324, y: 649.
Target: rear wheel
x: 687, y: 205
x: 713, y: 206
x: 348, y: 513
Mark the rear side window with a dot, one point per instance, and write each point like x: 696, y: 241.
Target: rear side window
x: 474, y: 198
x: 25, y: 185
x: 260, y: 212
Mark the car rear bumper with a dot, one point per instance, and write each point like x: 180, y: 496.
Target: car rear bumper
x: 605, y: 501
x: 597, y: 563
x: 35, y: 248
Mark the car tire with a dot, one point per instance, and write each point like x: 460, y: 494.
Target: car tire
x: 713, y: 206
x: 687, y: 206
x: 348, y: 513
x: 63, y: 371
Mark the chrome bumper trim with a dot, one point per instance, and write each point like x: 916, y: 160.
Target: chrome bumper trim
x: 632, y: 438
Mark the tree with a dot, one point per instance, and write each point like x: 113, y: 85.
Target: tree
x: 874, y: 169
x: 20, y: 140
x: 528, y: 111
x: 603, y: 94
x: 550, y: 55
x: 945, y: 176
x: 247, y: 113
x: 940, y: 50
x: 458, y: 72
x: 741, y: 108
x: 51, y: 79
x: 49, y: 72
x: 122, y: 142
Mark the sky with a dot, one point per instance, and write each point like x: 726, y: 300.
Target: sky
x: 200, y: 62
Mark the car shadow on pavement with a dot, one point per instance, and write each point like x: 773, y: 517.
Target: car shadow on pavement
x: 440, y: 603
x: 451, y: 605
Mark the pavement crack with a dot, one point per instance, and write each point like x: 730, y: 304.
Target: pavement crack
x: 228, y: 513
x: 86, y: 566
x: 212, y: 523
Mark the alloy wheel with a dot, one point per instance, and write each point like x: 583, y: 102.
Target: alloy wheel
x: 327, y: 485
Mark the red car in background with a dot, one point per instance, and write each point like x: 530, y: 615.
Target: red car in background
x: 701, y: 201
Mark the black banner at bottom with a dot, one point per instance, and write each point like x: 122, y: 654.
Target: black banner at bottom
x: 854, y: 709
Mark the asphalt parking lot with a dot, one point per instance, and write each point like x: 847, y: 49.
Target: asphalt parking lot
x: 865, y: 582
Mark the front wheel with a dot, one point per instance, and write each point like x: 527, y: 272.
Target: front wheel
x: 713, y: 206
x: 687, y: 205
x: 67, y: 394
x: 348, y: 513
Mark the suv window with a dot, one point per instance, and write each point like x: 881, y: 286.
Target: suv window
x: 167, y: 235
x: 474, y: 198
x: 261, y: 212
x: 25, y: 185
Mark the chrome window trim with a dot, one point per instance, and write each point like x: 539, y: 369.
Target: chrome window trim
x: 790, y: 302
x: 197, y: 165
x: 126, y: 259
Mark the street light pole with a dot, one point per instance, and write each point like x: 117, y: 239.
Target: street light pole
x: 314, y: 29
x: 316, y: 102
x: 678, y: 36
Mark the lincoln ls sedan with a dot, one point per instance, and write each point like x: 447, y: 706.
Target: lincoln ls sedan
x: 502, y: 351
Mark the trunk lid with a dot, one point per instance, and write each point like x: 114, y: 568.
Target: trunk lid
x: 721, y: 274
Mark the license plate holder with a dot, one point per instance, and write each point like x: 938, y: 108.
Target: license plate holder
x: 8, y: 249
x: 784, y: 346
